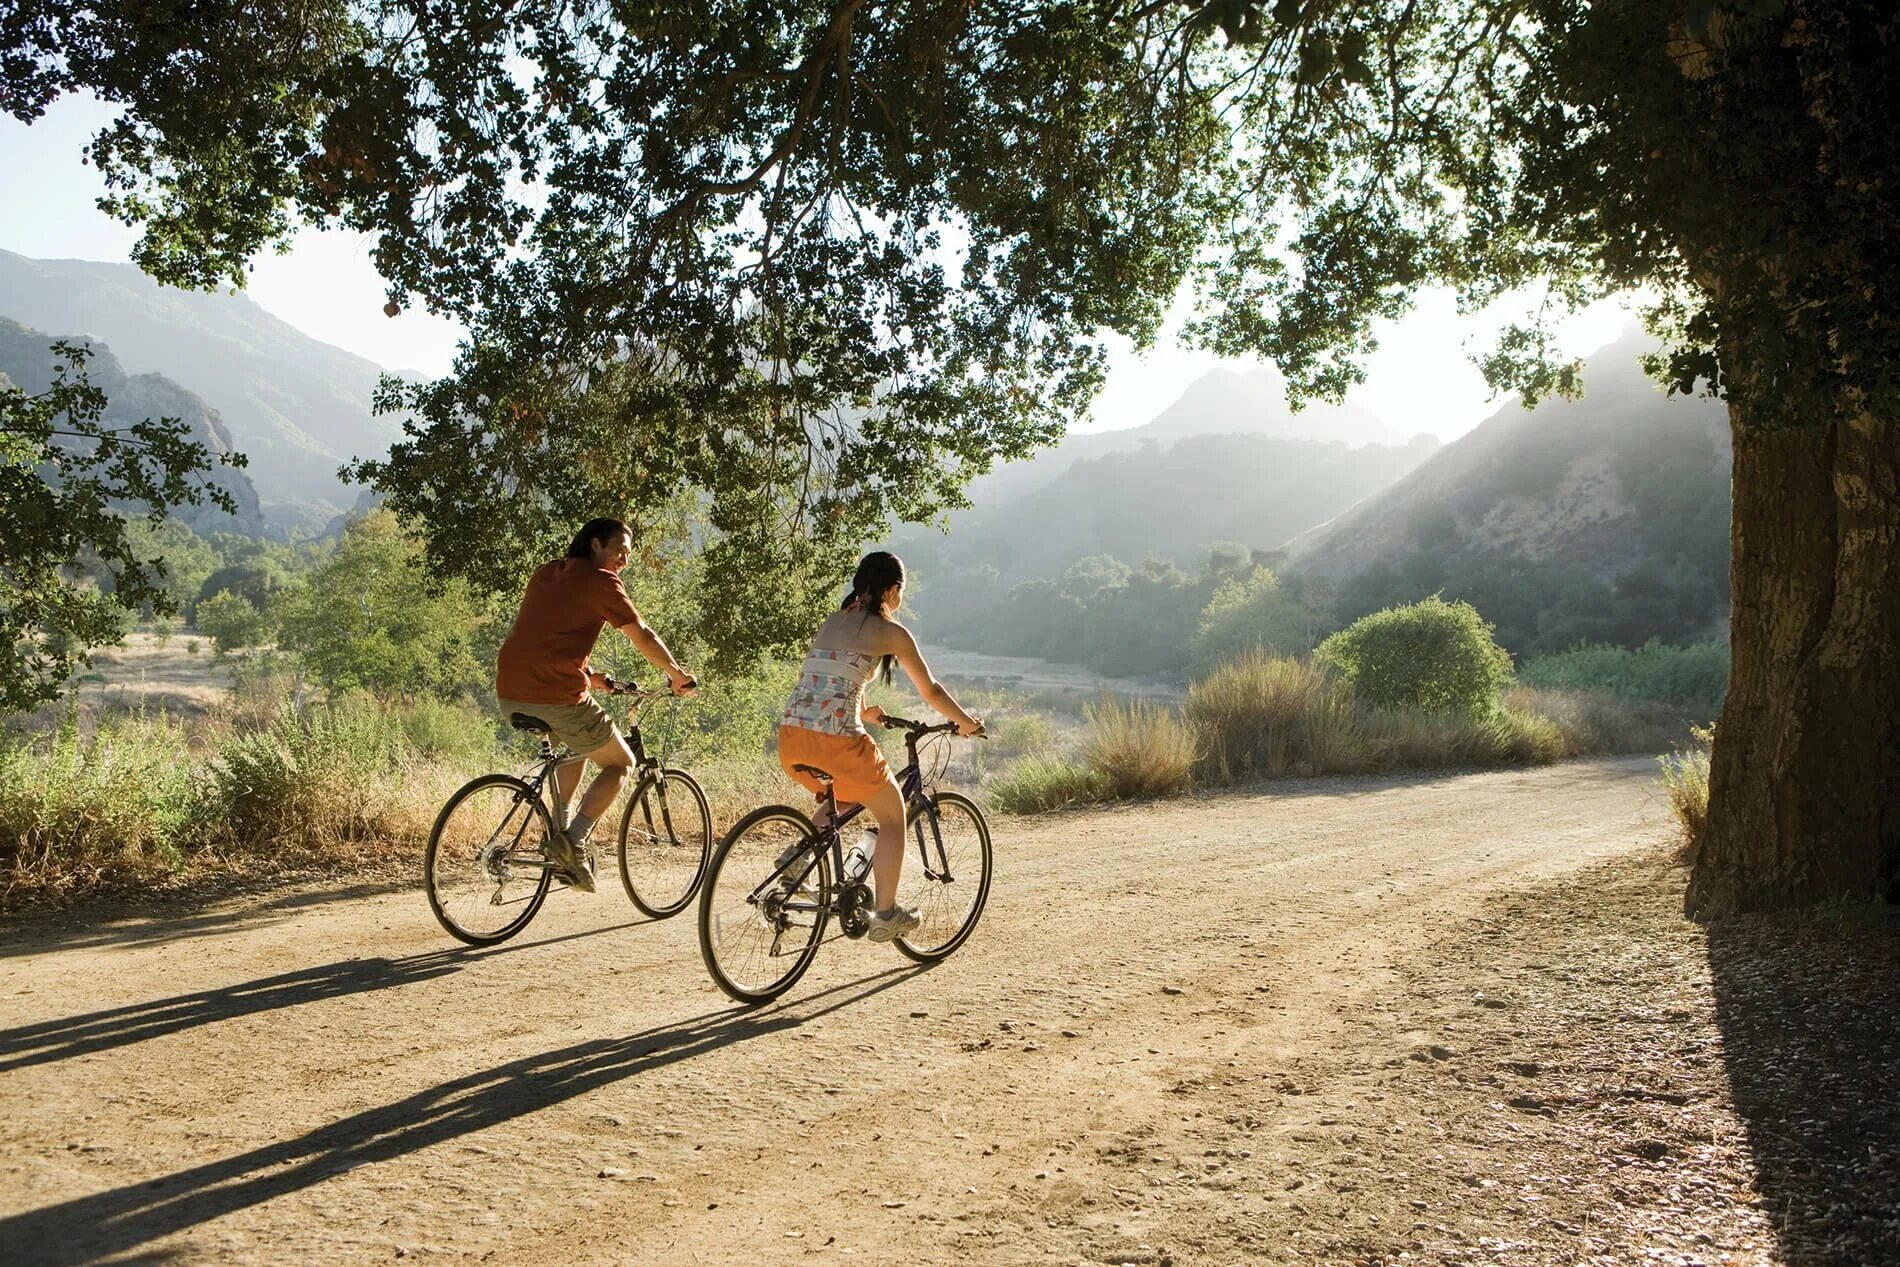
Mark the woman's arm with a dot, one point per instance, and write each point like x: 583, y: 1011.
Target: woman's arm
x: 935, y: 694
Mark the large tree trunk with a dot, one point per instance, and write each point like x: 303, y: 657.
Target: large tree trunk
x: 1804, y: 800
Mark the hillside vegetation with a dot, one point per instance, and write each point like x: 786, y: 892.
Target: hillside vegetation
x: 299, y: 408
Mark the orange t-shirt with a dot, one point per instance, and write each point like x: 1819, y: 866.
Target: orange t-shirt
x: 544, y: 660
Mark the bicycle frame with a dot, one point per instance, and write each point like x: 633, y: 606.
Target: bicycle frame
x: 645, y: 766
x: 910, y: 782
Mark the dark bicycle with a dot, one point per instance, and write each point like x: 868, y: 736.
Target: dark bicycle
x: 486, y: 867
x: 776, y: 881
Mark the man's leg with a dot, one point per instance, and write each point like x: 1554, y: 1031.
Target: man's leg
x: 615, y: 759
x: 567, y: 777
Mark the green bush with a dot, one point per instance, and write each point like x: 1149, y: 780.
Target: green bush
x: 1023, y: 734
x: 450, y: 731
x: 374, y: 616
x: 1036, y: 784
x: 1140, y: 748
x: 1692, y: 677
x: 1263, y: 715
x: 311, y: 778
x: 1252, y: 613
x: 231, y: 621
x: 1434, y: 658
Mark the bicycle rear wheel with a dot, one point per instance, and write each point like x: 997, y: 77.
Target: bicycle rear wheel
x: 762, y: 913
x: 666, y: 839
x: 946, y: 877
x: 484, y: 870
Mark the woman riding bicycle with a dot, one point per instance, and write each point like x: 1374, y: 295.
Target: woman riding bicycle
x: 542, y: 671
x: 823, y: 723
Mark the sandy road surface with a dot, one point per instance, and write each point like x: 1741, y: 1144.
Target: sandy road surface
x: 1110, y: 1071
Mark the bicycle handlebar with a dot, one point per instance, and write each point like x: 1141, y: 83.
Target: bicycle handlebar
x: 636, y: 692
x: 893, y: 722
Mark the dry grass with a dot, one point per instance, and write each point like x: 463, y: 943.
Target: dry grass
x: 1141, y: 749
x: 1685, y: 781
x: 1263, y: 716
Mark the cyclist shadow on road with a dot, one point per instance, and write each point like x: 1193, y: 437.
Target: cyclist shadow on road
x: 120, y: 1221
x: 48, y: 1041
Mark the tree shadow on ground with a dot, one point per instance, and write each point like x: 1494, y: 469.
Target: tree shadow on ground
x: 70, y: 1036
x: 104, y: 920
x: 123, y: 1220
x: 1809, y: 1009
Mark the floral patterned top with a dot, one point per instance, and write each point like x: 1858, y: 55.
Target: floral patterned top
x: 828, y: 692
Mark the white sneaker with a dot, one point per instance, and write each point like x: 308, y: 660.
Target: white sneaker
x: 889, y: 926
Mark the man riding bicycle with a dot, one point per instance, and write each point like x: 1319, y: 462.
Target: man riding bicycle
x: 543, y: 672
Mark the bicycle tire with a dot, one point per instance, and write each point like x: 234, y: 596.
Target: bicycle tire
x: 657, y: 902
x: 725, y: 914
x: 929, y: 829
x: 434, y: 859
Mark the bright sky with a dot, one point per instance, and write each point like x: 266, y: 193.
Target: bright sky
x: 1420, y: 379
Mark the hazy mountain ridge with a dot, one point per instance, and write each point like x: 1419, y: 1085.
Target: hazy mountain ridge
x: 1551, y: 483
x: 27, y: 358
x: 299, y: 408
x: 1599, y: 520
x: 1172, y: 501
x: 1218, y: 403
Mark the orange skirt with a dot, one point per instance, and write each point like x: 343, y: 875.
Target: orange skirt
x: 856, y: 767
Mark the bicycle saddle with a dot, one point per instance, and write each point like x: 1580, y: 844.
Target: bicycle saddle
x: 812, y: 770
x: 522, y: 721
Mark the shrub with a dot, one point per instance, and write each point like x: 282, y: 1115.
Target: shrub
x: 1252, y: 613
x: 231, y: 621
x: 450, y: 731
x: 1693, y: 676
x: 1432, y: 657
x: 1037, y: 784
x: 1140, y: 748
x: 1595, y: 724
x: 1685, y: 781
x: 1023, y: 734
x: 75, y: 808
x: 1266, y: 715
x: 310, y: 779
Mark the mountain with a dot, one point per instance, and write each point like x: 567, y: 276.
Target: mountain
x: 26, y: 358
x: 1171, y: 502
x: 1599, y: 518
x: 296, y: 407
x: 1219, y: 403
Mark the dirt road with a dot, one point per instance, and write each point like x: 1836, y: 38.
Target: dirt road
x: 1175, y: 1031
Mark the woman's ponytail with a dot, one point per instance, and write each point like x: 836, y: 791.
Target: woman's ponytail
x: 877, y: 572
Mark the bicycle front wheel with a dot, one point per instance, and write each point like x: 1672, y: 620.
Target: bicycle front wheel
x: 946, y: 877
x: 763, y: 908
x: 484, y: 870
x: 666, y: 839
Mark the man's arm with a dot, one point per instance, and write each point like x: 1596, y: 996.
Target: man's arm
x: 650, y: 645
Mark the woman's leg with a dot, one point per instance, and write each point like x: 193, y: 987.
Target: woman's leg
x: 887, y: 806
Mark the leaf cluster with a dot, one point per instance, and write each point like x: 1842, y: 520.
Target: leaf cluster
x: 64, y: 475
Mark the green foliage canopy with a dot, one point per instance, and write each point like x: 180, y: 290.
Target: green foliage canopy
x: 1432, y: 657
x: 63, y: 475
x: 373, y: 616
x: 231, y: 621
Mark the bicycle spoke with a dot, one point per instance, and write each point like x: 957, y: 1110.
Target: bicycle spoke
x: 762, y: 913
x: 946, y: 877
x: 485, y: 873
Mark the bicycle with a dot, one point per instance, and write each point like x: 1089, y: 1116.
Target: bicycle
x: 486, y: 870
x: 769, y: 892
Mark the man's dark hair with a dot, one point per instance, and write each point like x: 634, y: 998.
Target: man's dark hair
x: 582, y: 547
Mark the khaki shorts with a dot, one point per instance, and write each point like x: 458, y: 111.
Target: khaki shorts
x: 583, y: 727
